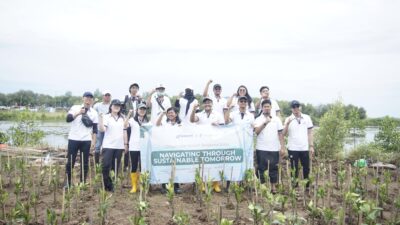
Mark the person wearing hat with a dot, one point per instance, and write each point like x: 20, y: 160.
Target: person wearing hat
x: 269, y: 144
x: 131, y: 102
x: 298, y: 127
x: 82, y: 135
x: 135, y: 123
x: 219, y: 103
x: 242, y: 91
x: 185, y: 104
x: 210, y: 117
x: 115, y: 141
x: 264, y: 92
x: 101, y: 108
x: 240, y: 117
x: 158, y: 102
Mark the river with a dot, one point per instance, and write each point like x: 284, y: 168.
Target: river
x: 56, y: 133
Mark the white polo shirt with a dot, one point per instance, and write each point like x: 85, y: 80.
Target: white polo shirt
x: 218, y: 104
x: 114, y: 134
x: 298, y: 132
x: 205, y: 118
x: 183, y: 102
x: 268, y: 138
x: 274, y: 106
x: 156, y: 108
x: 236, y: 106
x: 78, y: 131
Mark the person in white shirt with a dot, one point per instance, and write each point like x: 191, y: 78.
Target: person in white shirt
x: 264, y: 92
x: 185, y: 104
x: 158, y: 101
x: 298, y: 127
x: 101, y: 108
x: 219, y: 103
x: 82, y: 135
x: 135, y: 123
x: 241, y: 117
x: 172, y: 120
x: 269, y: 144
x: 241, y: 92
x: 207, y: 116
x: 114, y: 143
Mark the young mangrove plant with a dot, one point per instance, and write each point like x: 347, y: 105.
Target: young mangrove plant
x: 181, y: 218
x: 104, y: 203
x: 238, y: 191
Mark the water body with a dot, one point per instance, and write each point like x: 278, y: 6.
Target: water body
x: 56, y: 133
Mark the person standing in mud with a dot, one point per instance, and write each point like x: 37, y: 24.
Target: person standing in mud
x: 114, y: 143
x: 82, y: 135
x: 172, y: 120
x: 207, y: 116
x: 136, y: 123
x: 131, y: 102
x: 101, y: 108
x: 269, y: 144
x: 298, y: 127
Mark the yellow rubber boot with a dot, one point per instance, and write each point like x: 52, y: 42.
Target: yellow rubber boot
x: 216, y: 187
x: 134, y: 181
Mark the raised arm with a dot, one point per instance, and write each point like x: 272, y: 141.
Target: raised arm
x: 193, y: 117
x: 158, y: 123
x: 205, y: 92
x: 148, y: 100
x: 229, y: 102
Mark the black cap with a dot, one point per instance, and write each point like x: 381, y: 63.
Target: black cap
x: 295, y: 103
x: 207, y: 99
x: 116, y: 102
x: 88, y: 94
x: 242, y: 98
x: 217, y: 86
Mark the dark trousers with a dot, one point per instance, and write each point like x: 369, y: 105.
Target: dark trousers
x: 135, y: 160
x: 110, y: 156
x: 126, y: 156
x: 73, y: 148
x: 268, y: 160
x: 304, y: 158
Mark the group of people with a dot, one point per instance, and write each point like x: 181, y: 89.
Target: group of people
x: 112, y: 128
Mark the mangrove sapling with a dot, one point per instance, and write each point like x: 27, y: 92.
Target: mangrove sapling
x: 238, y: 191
x: 328, y: 215
x: 313, y: 211
x: 257, y: 212
x: 98, y: 177
x: 17, y: 188
x: 293, y: 201
x: 3, y: 200
x: 170, y: 196
x: 21, y: 165
x: 226, y: 222
x: 229, y: 204
x: 303, y: 184
x: 104, y: 203
x: 281, y: 198
x: 199, y: 186
x: 144, y: 180
x: 248, y: 181
x: 138, y: 218
x: 8, y: 169
x: 222, y: 177
x: 51, y: 217
x: 181, y: 218
x: 33, y: 200
x: 54, y: 182
x: 208, y: 196
x: 370, y: 212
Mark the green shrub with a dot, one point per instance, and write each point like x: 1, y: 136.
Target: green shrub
x: 388, y: 136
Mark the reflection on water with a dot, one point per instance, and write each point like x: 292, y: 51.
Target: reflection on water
x: 57, y: 134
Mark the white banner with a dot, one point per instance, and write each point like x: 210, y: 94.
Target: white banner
x: 223, y: 148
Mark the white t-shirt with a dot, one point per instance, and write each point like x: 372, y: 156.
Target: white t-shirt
x: 183, y: 102
x: 134, y: 140
x: 298, y: 132
x: 156, y: 108
x: 274, y: 107
x: 114, y: 134
x: 78, y: 131
x: 213, y: 117
x: 100, y: 107
x: 218, y: 104
x: 236, y: 106
x: 268, y: 138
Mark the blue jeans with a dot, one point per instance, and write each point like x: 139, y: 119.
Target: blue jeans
x: 99, y: 141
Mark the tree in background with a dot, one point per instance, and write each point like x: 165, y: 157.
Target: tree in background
x: 388, y: 136
x: 356, y: 125
x: 330, y: 136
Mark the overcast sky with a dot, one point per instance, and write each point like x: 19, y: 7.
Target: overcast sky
x: 313, y: 51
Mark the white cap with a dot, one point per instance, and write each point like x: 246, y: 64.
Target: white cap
x: 106, y: 92
x: 160, y: 86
